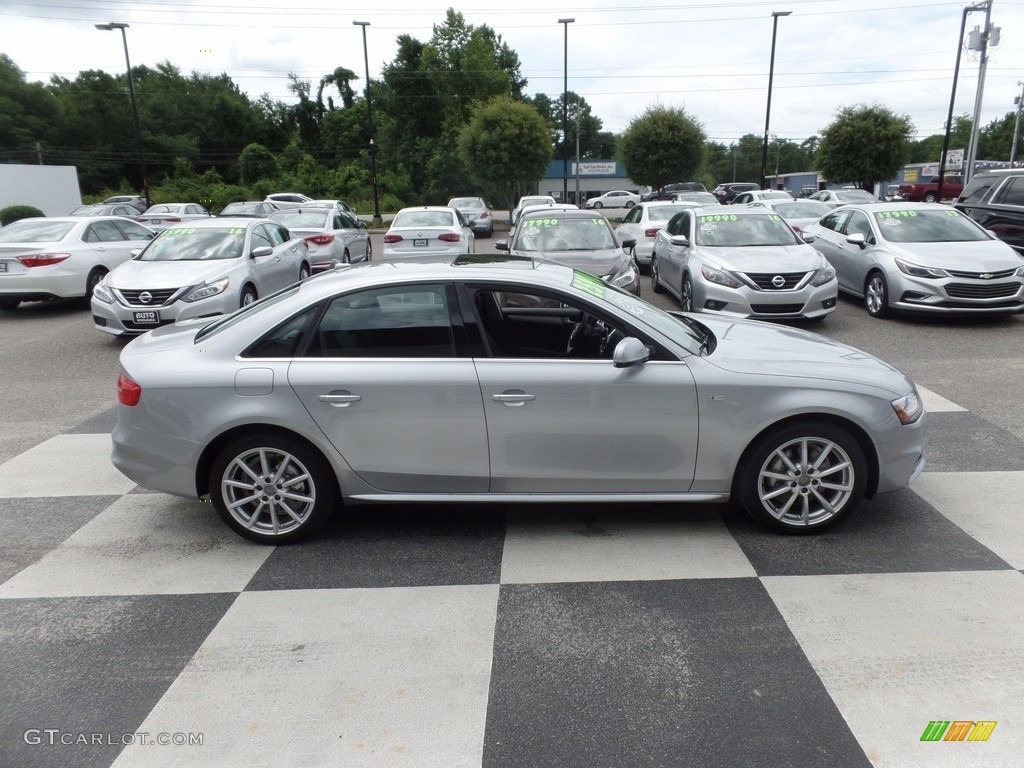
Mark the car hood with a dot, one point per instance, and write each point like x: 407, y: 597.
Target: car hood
x: 601, y: 263
x: 982, y: 256
x: 764, y: 258
x: 759, y: 348
x: 167, y: 274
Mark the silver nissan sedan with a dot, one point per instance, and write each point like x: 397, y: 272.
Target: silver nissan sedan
x: 504, y: 379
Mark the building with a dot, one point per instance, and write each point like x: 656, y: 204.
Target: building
x: 586, y: 179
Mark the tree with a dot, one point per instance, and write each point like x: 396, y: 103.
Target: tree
x: 28, y: 114
x: 256, y: 162
x: 662, y: 145
x: 507, y: 146
x: 865, y: 144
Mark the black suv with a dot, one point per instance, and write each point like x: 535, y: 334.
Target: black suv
x: 726, y: 192
x: 995, y: 199
x: 666, y: 192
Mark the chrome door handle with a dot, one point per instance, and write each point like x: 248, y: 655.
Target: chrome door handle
x: 513, y: 398
x: 339, y: 399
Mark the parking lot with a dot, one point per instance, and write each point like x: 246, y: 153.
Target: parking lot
x: 419, y: 636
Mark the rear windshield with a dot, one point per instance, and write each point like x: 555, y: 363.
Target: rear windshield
x: 423, y: 219
x: 302, y: 218
x: 35, y: 231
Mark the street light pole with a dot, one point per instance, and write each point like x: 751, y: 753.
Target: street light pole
x: 768, y: 108
x: 1019, y: 101
x: 369, y: 124
x: 565, y: 111
x: 135, y: 110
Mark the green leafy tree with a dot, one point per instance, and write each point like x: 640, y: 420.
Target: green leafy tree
x: 506, y: 145
x: 929, y: 149
x: 29, y: 115
x: 865, y: 144
x: 662, y: 145
x: 256, y: 162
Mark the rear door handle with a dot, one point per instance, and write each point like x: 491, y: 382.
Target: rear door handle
x: 339, y: 399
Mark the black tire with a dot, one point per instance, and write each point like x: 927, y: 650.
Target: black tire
x: 776, y: 488
x: 369, y: 251
x: 9, y: 305
x: 629, y: 204
x: 876, y: 295
x: 686, y: 294
x: 248, y: 296
x: 289, y: 500
x: 94, y: 278
x: 655, y: 283
x: 303, y: 272
x: 346, y: 257
x: 931, y: 197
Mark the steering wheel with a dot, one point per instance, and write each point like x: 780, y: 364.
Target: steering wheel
x: 577, y: 334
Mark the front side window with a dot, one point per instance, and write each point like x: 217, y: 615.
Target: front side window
x: 1012, y: 192
x: 835, y: 221
x: 859, y: 225
x: 397, y: 321
x: 103, y: 232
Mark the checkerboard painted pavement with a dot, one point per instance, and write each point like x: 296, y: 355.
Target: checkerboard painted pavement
x: 134, y: 626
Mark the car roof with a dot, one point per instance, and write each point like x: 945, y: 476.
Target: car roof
x: 570, y: 213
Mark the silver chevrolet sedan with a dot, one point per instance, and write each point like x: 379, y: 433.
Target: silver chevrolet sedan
x: 504, y: 379
x: 921, y: 258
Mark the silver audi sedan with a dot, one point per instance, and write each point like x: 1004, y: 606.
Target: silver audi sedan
x: 920, y: 257
x: 508, y: 380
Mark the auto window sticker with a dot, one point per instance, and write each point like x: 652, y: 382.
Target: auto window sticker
x: 895, y: 214
x: 177, y: 231
x: 587, y: 282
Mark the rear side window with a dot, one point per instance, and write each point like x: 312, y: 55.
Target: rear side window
x: 1011, y: 193
x: 977, y: 189
x: 398, y: 321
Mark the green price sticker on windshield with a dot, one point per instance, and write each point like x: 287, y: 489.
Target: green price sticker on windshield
x: 714, y: 218
x: 177, y: 231
x: 587, y: 282
x: 896, y: 214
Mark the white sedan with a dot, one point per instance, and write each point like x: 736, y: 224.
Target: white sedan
x: 58, y: 258
x: 428, y: 230
x: 617, y: 198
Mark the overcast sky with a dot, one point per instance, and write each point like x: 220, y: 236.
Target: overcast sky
x: 710, y: 58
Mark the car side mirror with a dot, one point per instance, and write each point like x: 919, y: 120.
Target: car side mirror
x: 263, y: 250
x: 808, y: 237
x: 361, y: 224
x: 135, y: 253
x: 681, y: 240
x: 857, y: 239
x: 629, y: 352
x: 501, y: 245
x: 628, y: 243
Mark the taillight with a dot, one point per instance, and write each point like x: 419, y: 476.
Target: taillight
x: 483, y: 215
x: 449, y: 237
x: 321, y: 239
x: 174, y: 219
x: 392, y: 238
x: 128, y: 392
x: 43, y: 259
x: 653, y: 232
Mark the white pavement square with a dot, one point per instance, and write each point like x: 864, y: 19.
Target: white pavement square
x: 65, y: 465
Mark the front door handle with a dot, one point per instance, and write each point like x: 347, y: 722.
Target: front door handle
x: 340, y: 399
x: 514, y: 397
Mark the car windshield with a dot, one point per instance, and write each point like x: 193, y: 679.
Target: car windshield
x: 35, y: 231
x: 466, y: 202
x: 853, y: 195
x: 196, y: 244
x: 924, y: 226
x: 664, y: 212
x: 422, y: 219
x: 565, y: 234
x: 806, y: 210
x: 239, y: 208
x: 731, y: 230
x: 315, y: 218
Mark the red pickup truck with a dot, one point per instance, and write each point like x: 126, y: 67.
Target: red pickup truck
x: 928, y: 192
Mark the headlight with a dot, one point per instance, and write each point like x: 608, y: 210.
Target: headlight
x: 1019, y: 272
x: 102, y: 292
x: 719, y: 277
x: 205, y: 291
x: 909, y: 408
x: 915, y: 271
x: 824, y: 275
x: 626, y: 276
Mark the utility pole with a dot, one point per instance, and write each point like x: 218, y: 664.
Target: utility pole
x: 1019, y: 101
x: 979, y: 40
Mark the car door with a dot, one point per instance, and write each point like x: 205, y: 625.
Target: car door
x: 571, y: 422
x: 109, y: 245
x: 384, y: 384
x: 269, y: 271
x: 672, y: 258
x: 831, y: 242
